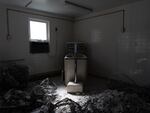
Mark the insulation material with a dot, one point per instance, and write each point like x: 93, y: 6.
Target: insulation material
x: 113, y: 101
x: 42, y: 97
x: 14, y: 75
x: 67, y: 106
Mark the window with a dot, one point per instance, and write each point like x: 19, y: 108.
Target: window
x: 39, y: 36
x: 38, y: 30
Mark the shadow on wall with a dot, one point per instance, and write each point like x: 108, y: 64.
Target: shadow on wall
x: 98, y: 69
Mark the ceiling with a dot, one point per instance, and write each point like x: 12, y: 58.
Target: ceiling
x: 60, y: 7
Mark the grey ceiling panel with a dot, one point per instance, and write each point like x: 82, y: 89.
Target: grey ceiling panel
x: 59, y: 6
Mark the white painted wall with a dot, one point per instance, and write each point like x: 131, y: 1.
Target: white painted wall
x: 113, y: 54
x: 117, y: 55
x: 18, y: 46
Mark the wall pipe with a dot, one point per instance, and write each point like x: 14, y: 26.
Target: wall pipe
x: 109, y: 13
x: 31, y: 13
x: 28, y: 3
x: 123, y: 17
x: 77, y: 5
x: 7, y: 24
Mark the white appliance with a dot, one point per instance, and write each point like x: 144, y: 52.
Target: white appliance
x: 75, y: 67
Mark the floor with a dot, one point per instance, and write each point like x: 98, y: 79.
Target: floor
x: 93, y: 85
x: 96, y: 85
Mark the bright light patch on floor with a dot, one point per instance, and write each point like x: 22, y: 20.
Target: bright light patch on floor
x: 62, y: 94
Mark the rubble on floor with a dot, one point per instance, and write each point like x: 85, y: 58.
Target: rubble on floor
x: 40, y: 100
x: 113, y: 101
x: 45, y: 91
x: 142, y: 92
x: 13, y: 76
x: 40, y: 95
x: 14, y: 100
x: 47, y: 84
x: 67, y: 106
x: 16, y: 97
x: 37, y: 96
x: 48, y: 108
x: 109, y: 101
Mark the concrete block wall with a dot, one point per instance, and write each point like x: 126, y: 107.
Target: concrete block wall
x: 112, y: 53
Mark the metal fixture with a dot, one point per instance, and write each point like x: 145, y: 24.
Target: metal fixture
x: 7, y: 23
x: 27, y: 12
x: 122, y: 11
x: 123, y: 16
x: 78, y: 5
x: 75, y: 66
x: 28, y: 3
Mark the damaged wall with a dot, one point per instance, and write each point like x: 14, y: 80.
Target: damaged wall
x: 112, y: 53
x: 18, y: 46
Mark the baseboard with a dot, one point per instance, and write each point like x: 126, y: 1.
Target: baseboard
x: 40, y: 76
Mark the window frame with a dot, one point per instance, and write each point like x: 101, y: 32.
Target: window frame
x: 47, y: 29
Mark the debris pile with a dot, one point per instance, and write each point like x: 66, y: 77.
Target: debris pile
x: 47, y: 108
x: 14, y: 75
x: 109, y: 101
x: 42, y: 95
x: 13, y: 101
x: 49, y: 89
x: 142, y: 92
x: 37, y: 96
x: 67, y: 106
x: 113, y: 101
x: 44, y: 92
x: 47, y: 84
x: 16, y: 98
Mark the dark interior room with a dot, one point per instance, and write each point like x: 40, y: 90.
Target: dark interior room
x: 74, y: 56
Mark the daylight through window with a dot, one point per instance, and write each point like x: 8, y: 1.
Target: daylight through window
x: 38, y: 30
x: 39, y: 36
